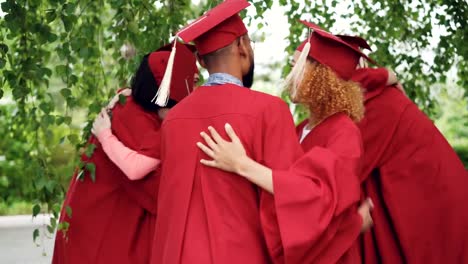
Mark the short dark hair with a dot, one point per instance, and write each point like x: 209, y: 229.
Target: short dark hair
x: 144, y: 87
x: 214, y: 55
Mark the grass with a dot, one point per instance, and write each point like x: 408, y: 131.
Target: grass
x: 16, y: 208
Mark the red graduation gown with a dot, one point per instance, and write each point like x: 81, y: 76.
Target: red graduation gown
x: 113, y: 218
x: 316, y: 198
x: 206, y: 215
x: 417, y: 182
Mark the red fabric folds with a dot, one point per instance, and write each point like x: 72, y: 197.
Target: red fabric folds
x: 206, y: 215
x: 417, y: 182
x: 113, y: 218
x: 316, y: 198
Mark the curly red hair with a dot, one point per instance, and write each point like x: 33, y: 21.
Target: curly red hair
x: 325, y: 94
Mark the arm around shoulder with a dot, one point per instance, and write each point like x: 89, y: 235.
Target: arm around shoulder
x: 135, y: 165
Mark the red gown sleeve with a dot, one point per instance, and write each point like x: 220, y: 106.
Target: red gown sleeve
x: 316, y: 201
x: 280, y: 149
x: 370, y: 78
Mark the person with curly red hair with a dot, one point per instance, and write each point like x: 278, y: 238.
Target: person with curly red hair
x: 316, y: 198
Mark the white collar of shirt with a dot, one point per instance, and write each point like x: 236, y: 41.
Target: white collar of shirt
x: 305, y: 131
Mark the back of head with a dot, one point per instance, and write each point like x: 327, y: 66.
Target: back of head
x: 324, y: 93
x: 321, y: 79
x: 147, y: 79
x: 217, y: 28
x: 217, y: 57
x: 144, y: 86
x: 220, y: 39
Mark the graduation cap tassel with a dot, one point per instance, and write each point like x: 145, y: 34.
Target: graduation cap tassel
x: 297, y: 73
x: 162, y: 96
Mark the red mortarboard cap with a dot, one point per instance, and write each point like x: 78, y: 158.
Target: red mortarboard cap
x: 168, y: 47
x: 332, y: 51
x: 183, y: 71
x: 191, y: 47
x: 355, y: 41
x: 217, y: 28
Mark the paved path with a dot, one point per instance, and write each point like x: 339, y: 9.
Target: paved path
x: 16, y: 244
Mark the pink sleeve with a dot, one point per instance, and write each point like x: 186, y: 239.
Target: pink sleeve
x: 133, y: 164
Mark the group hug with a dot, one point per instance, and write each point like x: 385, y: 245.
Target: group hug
x: 220, y: 174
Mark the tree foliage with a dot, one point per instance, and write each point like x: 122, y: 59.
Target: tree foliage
x: 61, y: 60
x: 421, y: 40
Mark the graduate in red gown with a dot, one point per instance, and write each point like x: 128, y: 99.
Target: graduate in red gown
x: 316, y: 199
x: 370, y: 79
x: 206, y: 215
x: 415, y: 178
x: 113, y: 217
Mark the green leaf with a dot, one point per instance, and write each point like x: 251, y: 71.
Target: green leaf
x: 19, y: 92
x: 50, y: 15
x: 1, y: 93
x: 52, y: 37
x: 63, y: 226
x: 47, y: 120
x: 77, y: 43
x: 46, y: 71
x: 45, y: 107
x: 6, y: 6
x: 55, y: 214
x: 2, y: 63
x: 67, y: 120
x: 50, y: 186
x: 127, y: 14
x: 73, y: 139
x: 3, y: 48
x: 36, y: 210
x: 84, y: 52
x: 91, y: 168
x: 68, y: 211
x: 73, y: 79
x: 59, y: 120
x: 51, y: 229
x: 67, y: 23
x: 95, y: 107
x: 122, y: 99
x: 56, y: 207
x: 65, y: 92
x: 35, y: 234
x: 69, y: 8
x: 53, y: 222
x: 41, y: 181
x: 61, y: 70
x: 133, y: 27
x: 90, y: 150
